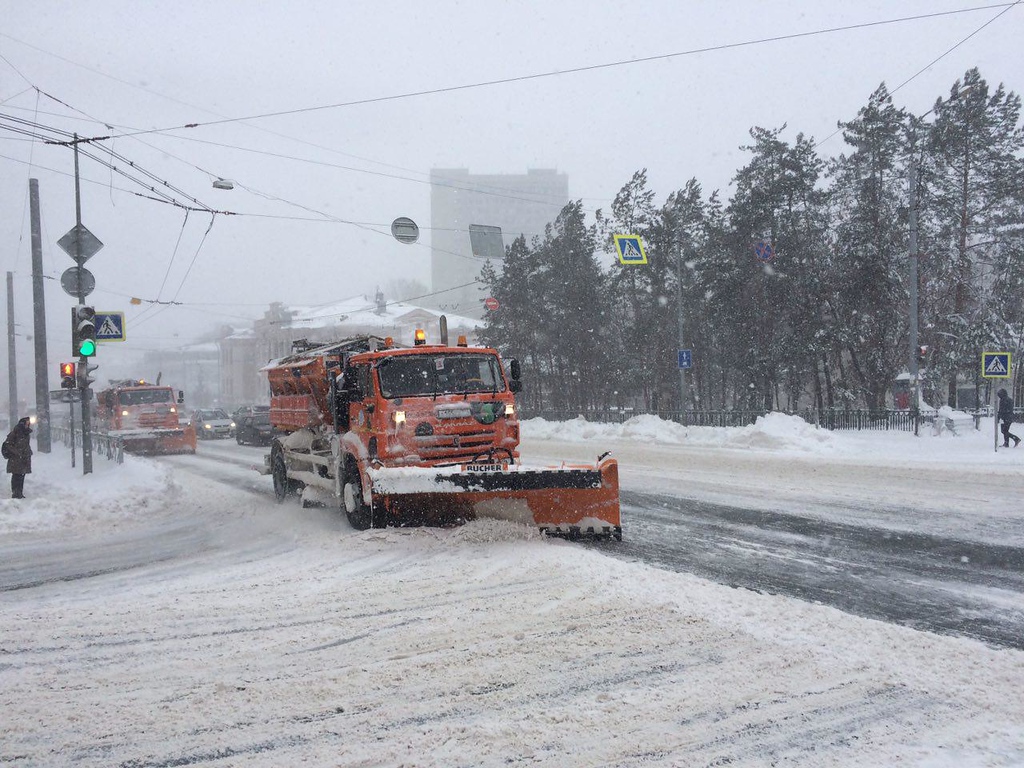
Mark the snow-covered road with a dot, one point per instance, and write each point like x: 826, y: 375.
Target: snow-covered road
x: 273, y: 635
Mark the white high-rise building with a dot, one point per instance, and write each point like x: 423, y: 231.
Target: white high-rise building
x: 516, y: 203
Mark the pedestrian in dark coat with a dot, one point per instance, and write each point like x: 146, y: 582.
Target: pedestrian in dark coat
x: 18, y: 452
x: 1005, y: 416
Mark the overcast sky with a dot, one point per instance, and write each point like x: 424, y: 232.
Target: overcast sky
x: 228, y: 66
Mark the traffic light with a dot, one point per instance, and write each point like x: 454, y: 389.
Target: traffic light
x: 83, y: 331
x: 67, y: 376
x: 85, y: 375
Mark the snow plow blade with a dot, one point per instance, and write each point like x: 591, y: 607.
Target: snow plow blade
x: 574, y: 502
x: 159, y: 441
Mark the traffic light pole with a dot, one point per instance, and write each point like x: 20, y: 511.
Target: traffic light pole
x: 83, y: 361
x: 71, y: 428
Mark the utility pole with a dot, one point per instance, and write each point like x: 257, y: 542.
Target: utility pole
x: 912, y: 253
x: 683, y: 393
x: 39, y: 317
x: 914, y: 345
x: 12, y: 362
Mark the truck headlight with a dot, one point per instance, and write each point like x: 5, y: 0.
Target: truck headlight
x: 399, y: 418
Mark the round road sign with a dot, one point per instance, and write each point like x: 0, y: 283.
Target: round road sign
x: 491, y: 303
x: 404, y: 230
x: 77, y: 281
x: 764, y: 250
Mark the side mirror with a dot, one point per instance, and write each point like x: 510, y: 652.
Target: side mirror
x: 181, y: 396
x: 515, y: 385
x: 514, y: 370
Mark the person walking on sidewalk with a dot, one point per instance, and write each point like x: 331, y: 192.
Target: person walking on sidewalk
x: 18, y: 452
x: 1005, y: 416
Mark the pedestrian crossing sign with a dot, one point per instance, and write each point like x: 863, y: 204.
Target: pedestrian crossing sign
x: 630, y: 249
x: 995, y: 365
x: 110, y: 326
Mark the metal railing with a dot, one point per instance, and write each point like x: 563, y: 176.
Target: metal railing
x: 109, y: 447
x: 828, y: 418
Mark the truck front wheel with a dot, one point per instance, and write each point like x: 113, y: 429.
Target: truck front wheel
x: 356, y: 510
x: 282, y: 485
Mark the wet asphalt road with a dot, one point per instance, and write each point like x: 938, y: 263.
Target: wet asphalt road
x: 928, y: 583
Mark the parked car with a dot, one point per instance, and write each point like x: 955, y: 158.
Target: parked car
x: 212, y: 423
x: 254, y: 428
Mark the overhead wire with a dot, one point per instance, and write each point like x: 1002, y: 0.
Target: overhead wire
x: 566, y: 71
x: 261, y: 129
x: 932, y: 63
x: 379, y: 228
x: 113, y: 168
x: 163, y: 306
x: 448, y: 182
x: 162, y: 189
x: 481, y: 189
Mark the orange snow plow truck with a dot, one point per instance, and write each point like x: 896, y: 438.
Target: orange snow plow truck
x: 421, y: 435
x: 145, y: 417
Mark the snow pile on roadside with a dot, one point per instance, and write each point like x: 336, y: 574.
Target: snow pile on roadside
x: 779, y: 433
x: 774, y: 431
x: 59, y: 495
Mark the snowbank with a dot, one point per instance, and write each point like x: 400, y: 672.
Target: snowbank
x: 779, y: 433
x: 60, y: 496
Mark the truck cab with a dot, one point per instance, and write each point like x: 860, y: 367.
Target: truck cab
x: 427, y: 434
x: 146, y: 417
x: 425, y: 406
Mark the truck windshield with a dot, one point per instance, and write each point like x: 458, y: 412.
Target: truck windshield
x: 438, y: 374
x: 145, y: 396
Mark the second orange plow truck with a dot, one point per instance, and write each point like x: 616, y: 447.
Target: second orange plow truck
x: 422, y: 435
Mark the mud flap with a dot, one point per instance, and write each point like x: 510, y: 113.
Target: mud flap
x: 570, y: 501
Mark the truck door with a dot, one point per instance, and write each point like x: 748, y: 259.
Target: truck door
x: 355, y: 386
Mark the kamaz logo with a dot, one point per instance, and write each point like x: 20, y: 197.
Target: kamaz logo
x: 486, y: 467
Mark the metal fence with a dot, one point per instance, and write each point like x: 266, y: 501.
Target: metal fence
x: 832, y: 419
x: 109, y: 447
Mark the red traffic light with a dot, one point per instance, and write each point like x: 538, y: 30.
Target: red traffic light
x: 67, y: 376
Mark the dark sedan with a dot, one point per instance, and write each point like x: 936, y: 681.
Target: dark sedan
x: 254, y: 429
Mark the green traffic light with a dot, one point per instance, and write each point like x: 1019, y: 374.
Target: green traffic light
x: 87, y: 348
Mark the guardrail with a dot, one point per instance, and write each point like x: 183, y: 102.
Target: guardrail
x: 104, y: 445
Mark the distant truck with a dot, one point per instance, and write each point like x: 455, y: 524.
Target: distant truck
x: 426, y: 434
x: 146, y: 417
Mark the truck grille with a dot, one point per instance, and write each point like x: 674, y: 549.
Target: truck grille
x: 149, y: 420
x: 455, y: 446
